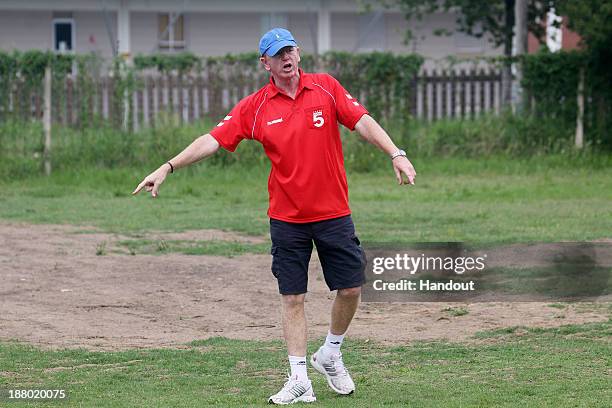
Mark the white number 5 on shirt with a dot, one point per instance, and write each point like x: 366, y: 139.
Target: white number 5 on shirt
x: 317, y: 118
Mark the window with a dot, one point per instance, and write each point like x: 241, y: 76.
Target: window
x: 63, y: 34
x: 171, y: 31
x: 273, y: 20
x: 372, y: 32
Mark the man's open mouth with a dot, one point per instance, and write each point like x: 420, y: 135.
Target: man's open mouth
x: 287, y: 66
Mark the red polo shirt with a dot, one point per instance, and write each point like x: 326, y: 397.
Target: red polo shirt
x: 301, y: 138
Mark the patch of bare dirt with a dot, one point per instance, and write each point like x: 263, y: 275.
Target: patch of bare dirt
x: 56, y: 292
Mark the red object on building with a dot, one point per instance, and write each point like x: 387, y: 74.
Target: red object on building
x: 569, y: 39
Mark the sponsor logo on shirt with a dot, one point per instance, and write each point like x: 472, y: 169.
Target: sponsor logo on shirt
x: 317, y: 118
x: 279, y: 120
x: 350, y: 98
x: 228, y: 117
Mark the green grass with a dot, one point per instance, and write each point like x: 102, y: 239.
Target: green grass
x: 99, y: 144
x: 492, y: 200
x: 213, y: 247
x: 562, y: 367
x: 558, y: 306
x: 456, y: 311
x: 487, y: 200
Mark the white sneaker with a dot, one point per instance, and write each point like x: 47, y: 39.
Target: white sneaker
x: 336, y: 374
x: 293, y: 391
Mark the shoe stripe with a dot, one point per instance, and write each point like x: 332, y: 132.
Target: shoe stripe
x: 297, y: 390
x: 330, y: 369
x: 337, y: 375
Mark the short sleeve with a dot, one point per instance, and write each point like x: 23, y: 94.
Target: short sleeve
x: 348, y: 109
x: 232, y: 128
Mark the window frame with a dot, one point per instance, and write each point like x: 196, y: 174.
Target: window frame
x: 171, y: 44
x: 64, y: 20
x: 366, y: 43
x: 271, y: 20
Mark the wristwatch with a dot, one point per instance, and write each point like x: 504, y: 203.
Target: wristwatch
x: 398, y: 153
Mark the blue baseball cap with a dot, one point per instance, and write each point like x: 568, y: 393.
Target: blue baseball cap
x: 275, y: 39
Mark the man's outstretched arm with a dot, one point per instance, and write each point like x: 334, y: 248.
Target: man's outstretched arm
x: 371, y: 131
x: 199, y: 149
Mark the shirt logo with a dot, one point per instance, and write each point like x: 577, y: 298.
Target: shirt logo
x: 228, y: 117
x: 350, y: 98
x: 279, y: 120
x: 317, y: 118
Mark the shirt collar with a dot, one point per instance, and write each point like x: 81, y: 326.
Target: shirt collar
x: 305, y: 82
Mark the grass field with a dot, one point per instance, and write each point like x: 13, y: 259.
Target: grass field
x: 491, y: 200
x: 561, y: 367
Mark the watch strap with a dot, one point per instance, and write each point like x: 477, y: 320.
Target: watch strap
x: 398, y: 153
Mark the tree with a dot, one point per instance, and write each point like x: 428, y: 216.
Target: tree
x: 591, y: 20
x: 493, y: 19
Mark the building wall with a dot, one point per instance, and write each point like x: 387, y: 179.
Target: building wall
x: 222, y: 33
x: 34, y: 30
x: 433, y: 46
x: 344, y: 31
x: 303, y: 26
x: 91, y: 34
x: 347, y: 31
x: 218, y: 33
x: 25, y: 30
x: 143, y: 32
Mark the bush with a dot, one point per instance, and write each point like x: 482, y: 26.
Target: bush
x: 508, y: 134
x: 551, y: 84
x: 105, y: 147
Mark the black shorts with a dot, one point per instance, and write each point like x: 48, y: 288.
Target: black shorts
x: 342, y: 258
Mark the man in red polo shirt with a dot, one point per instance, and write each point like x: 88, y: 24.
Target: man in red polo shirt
x: 295, y: 117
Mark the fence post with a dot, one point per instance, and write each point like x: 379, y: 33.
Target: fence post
x: 414, y: 91
x: 191, y: 112
x: 445, y: 94
x: 482, y: 108
x: 580, y: 113
x: 425, y: 96
x: 69, y: 102
x: 171, y: 107
x: 180, y: 82
x: 200, y: 86
x: 150, y: 116
x: 472, y: 91
x: 462, y: 92
x: 453, y: 94
x: 47, y: 120
x: 434, y: 95
x: 126, y: 110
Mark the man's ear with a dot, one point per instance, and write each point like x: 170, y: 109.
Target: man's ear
x: 298, y: 53
x: 264, y: 62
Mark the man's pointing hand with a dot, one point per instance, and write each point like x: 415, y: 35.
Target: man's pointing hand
x: 152, y: 182
x: 404, y: 169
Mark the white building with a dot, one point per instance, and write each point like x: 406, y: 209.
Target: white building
x: 209, y: 27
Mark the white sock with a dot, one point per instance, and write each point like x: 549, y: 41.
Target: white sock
x: 333, y: 342
x: 298, y: 368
